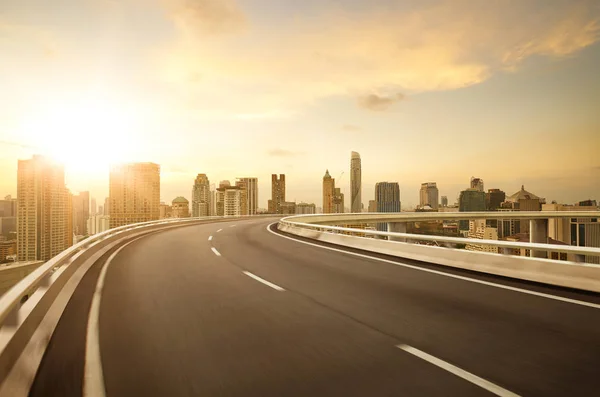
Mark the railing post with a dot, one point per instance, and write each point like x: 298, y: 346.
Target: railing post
x: 538, y: 233
x: 396, y: 227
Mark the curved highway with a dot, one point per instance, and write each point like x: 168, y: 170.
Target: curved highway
x: 234, y: 309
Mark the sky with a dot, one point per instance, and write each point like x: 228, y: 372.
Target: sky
x: 424, y: 90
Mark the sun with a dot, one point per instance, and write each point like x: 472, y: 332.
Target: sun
x: 86, y: 136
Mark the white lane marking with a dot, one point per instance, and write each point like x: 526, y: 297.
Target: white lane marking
x: 218, y: 231
x: 93, y: 384
x: 233, y: 226
x: 217, y: 253
x: 473, y: 280
x: 209, y: 238
x: 484, y: 384
x: 265, y: 282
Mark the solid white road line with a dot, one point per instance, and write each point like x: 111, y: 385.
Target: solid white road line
x: 484, y: 384
x: 233, y: 226
x: 217, y: 253
x: 265, y: 282
x: 93, y: 383
x: 209, y: 238
x: 473, y: 280
x: 218, y: 231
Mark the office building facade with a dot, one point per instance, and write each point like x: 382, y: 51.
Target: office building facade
x: 305, y: 209
x: 355, y: 183
x: 251, y: 185
x: 429, y: 195
x: 81, y: 213
x: 470, y: 200
x: 387, y: 196
x: 328, y: 193
x: 201, y: 196
x: 134, y: 192
x: 277, y: 193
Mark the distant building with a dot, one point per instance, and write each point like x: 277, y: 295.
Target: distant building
x: 328, y: 193
x: 164, y: 211
x: 479, y: 230
x: 470, y: 200
x: 8, y: 248
x: 232, y: 201
x: 201, y: 196
x: 98, y: 224
x: 243, y: 186
x: 106, y: 206
x: 81, y: 213
x: 8, y: 207
x: 251, y: 185
x: 277, y: 193
x: 224, y: 183
x: 134, y: 191
x: 519, y: 201
x: 180, y: 208
x: 477, y: 184
x: 372, y: 206
x: 587, y: 203
x: 288, y: 208
x: 100, y: 210
x: 338, y: 201
x: 444, y: 201
x: 494, y: 199
x: 44, y: 210
x: 305, y: 208
x: 387, y: 196
x: 355, y: 183
x: 8, y: 227
x: 93, y: 209
x: 428, y: 195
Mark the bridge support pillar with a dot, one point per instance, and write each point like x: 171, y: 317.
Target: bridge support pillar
x: 538, y: 233
x: 396, y: 227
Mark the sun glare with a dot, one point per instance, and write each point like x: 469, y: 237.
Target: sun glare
x: 86, y: 137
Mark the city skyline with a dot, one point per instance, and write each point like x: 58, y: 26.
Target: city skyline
x: 424, y: 101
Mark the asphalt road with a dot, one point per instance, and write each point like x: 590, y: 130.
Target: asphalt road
x: 253, y: 313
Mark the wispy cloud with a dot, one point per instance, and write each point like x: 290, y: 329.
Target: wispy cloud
x: 279, y: 152
x: 378, y: 103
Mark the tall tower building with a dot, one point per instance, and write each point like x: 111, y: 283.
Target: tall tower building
x: 81, y: 213
x: 106, y: 206
x: 242, y: 186
x: 444, y: 201
x: 338, y: 201
x: 429, y: 195
x: 355, y: 183
x: 277, y: 193
x: 494, y: 199
x: 470, y: 200
x: 387, y: 196
x: 43, y: 210
x: 201, y: 196
x: 134, y: 191
x: 251, y: 185
x: 93, y: 209
x: 328, y: 193
x: 477, y: 184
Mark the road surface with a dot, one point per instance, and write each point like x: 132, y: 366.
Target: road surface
x: 234, y: 309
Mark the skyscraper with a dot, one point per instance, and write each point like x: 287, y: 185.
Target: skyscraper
x: 387, y: 196
x: 43, y: 210
x: 355, y: 183
x: 328, y: 192
x: 444, y: 201
x: 468, y: 201
x: 277, y: 193
x: 252, y: 189
x: 134, y: 191
x: 81, y: 213
x: 242, y: 185
x: 201, y: 196
x: 428, y: 195
x: 93, y: 209
x: 106, y: 206
x: 493, y: 199
x: 477, y: 184
x: 338, y: 201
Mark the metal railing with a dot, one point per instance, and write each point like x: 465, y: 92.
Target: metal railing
x: 322, y: 223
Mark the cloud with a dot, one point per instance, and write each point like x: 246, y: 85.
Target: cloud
x: 278, y: 152
x: 206, y: 17
x: 444, y: 45
x: 351, y: 128
x: 378, y: 103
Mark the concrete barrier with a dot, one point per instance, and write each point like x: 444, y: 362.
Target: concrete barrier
x: 560, y: 273
x: 11, y: 274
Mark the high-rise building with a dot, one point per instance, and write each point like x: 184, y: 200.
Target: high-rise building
x: 232, y: 201
x: 288, y: 208
x: 355, y: 183
x: 328, y: 192
x: 338, y: 201
x: 477, y: 184
x: 201, y: 196
x: 470, y: 200
x: 93, y: 210
x: 305, y: 208
x: 387, y: 196
x: 134, y: 191
x: 243, y: 186
x: 98, y: 224
x: 8, y: 207
x: 372, y: 206
x: 494, y: 199
x: 106, y: 206
x: 444, y: 201
x: 164, y: 211
x: 428, y: 195
x: 8, y: 217
x: 180, y: 208
x: 100, y: 210
x: 479, y: 230
x: 252, y: 191
x: 213, y: 200
x: 277, y: 193
x: 81, y: 213
x: 43, y: 210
